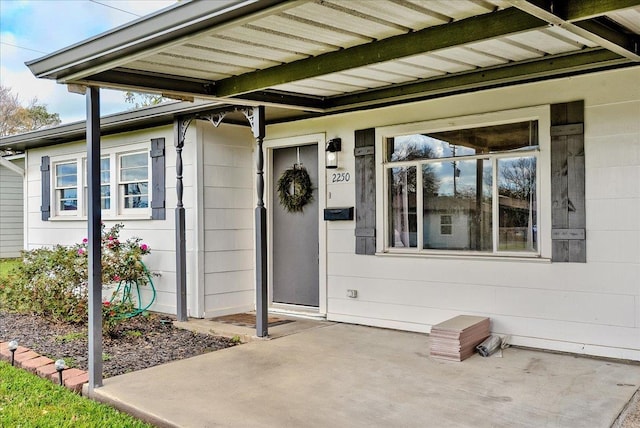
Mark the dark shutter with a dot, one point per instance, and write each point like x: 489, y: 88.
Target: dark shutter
x: 365, y: 180
x: 567, y: 183
x: 45, y: 173
x: 157, y: 179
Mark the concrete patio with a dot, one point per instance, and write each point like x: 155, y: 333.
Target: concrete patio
x: 325, y: 374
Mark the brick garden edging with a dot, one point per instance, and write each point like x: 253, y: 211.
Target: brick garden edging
x: 44, y: 367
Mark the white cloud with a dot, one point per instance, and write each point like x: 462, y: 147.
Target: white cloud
x: 47, y: 26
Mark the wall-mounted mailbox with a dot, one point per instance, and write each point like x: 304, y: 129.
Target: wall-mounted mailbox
x: 333, y: 214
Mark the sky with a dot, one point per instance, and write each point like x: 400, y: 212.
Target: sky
x: 30, y: 29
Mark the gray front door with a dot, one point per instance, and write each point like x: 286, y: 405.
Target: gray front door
x: 295, y: 235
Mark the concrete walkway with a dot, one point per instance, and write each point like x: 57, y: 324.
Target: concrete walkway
x: 340, y: 375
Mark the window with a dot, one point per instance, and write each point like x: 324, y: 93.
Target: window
x: 66, y: 188
x: 471, y: 190
x: 128, y: 172
x: 134, y: 180
x: 105, y: 183
x: 446, y: 226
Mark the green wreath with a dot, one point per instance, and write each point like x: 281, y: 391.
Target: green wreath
x: 295, y: 189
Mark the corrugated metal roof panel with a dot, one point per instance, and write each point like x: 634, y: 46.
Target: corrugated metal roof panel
x: 219, y: 56
x: 199, y: 72
x: 380, y: 73
x: 249, y: 34
x: 546, y: 41
x: 473, y: 57
x: 458, y: 9
x: 306, y: 89
x: 342, y: 15
x: 320, y: 32
x: 628, y: 18
x: 401, y: 13
x: 257, y: 49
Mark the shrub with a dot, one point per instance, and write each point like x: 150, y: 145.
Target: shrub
x: 53, y: 281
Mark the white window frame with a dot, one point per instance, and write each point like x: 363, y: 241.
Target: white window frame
x: 55, y: 200
x: 121, y: 183
x: 449, y: 224
x: 541, y: 114
x: 85, y: 186
x: 116, y: 210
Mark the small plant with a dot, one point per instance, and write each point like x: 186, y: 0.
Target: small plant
x: 71, y: 337
x: 133, y: 333
x: 236, y: 339
x: 106, y: 357
x: 113, y: 313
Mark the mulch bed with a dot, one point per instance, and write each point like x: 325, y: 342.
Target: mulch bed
x: 137, y: 343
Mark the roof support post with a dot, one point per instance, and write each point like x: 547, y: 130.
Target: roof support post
x: 94, y: 216
x: 180, y: 128
x: 256, y: 118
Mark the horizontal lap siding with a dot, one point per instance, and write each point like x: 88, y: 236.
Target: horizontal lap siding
x: 11, y: 211
x: 591, y: 307
x: 158, y: 234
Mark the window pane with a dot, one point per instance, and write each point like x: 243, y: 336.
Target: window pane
x: 518, y: 214
x: 133, y: 174
x: 134, y: 160
x: 457, y: 205
x: 66, y: 175
x: 402, y: 207
x: 68, y: 199
x: 66, y: 169
x: 135, y: 195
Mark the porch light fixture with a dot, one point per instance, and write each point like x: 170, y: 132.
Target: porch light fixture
x: 13, y: 345
x: 60, y: 366
x: 333, y: 147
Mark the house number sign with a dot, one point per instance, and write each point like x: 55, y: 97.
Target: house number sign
x: 339, y: 177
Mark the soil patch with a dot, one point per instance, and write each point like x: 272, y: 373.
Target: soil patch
x: 137, y: 343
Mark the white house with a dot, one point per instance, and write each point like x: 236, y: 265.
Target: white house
x: 517, y: 125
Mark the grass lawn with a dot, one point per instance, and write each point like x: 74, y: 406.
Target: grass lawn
x: 6, y: 265
x: 29, y: 401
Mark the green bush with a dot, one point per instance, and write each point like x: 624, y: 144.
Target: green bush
x: 53, y: 281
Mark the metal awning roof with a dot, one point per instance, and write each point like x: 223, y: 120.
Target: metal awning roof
x: 326, y: 56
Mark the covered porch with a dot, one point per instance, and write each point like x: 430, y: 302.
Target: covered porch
x: 259, y: 57
x: 330, y: 374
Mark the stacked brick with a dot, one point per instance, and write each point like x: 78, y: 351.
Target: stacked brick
x: 44, y: 367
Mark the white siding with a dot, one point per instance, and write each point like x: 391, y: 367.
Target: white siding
x: 591, y: 308
x: 158, y: 234
x: 227, y: 219
x: 11, y: 211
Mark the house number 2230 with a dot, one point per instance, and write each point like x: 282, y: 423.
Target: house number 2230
x: 340, y: 177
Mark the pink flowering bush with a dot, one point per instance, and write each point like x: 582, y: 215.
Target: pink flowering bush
x: 53, y: 281
x: 121, y: 260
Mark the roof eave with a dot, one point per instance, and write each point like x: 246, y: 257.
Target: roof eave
x: 119, y: 122
x: 181, y: 20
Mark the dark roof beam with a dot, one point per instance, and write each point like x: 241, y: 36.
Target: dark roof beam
x: 533, y: 70
x: 473, y: 29
x: 185, y: 89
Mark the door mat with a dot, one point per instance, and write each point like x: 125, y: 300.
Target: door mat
x: 249, y: 320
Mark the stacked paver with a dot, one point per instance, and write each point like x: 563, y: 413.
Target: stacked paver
x: 456, y: 338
